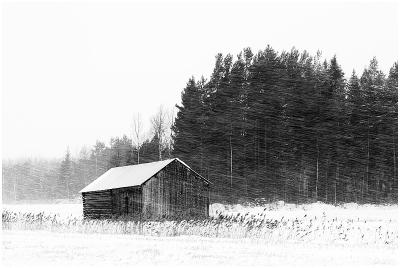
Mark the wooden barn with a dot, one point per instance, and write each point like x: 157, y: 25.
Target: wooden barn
x: 166, y: 188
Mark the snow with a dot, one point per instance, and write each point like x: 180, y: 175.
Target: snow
x: 129, y: 175
x: 63, y: 210
x: 313, y: 235
x: 34, y: 249
x: 290, y: 211
x: 126, y: 176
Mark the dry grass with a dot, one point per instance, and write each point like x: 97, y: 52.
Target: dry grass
x: 225, y: 223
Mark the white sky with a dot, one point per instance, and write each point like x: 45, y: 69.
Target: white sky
x: 76, y: 72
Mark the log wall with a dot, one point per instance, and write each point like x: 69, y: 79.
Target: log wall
x: 97, y: 204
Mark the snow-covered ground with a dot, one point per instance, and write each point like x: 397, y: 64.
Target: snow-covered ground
x: 24, y: 248
x: 305, y: 235
x: 64, y: 210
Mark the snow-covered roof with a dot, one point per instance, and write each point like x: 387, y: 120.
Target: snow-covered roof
x: 128, y: 176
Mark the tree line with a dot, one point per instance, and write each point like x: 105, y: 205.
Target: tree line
x: 38, y: 179
x: 289, y: 126
x: 279, y: 126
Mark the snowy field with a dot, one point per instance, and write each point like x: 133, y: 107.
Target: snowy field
x: 272, y: 235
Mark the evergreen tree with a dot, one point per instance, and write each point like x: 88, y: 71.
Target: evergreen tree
x: 337, y: 129
x: 121, y: 152
x: 286, y: 126
x: 187, y: 128
x: 389, y: 135
x: 372, y: 83
x: 65, y: 177
x: 355, y: 132
x: 149, y: 150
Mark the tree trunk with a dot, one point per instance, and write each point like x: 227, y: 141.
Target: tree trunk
x: 285, y: 185
x: 326, y: 179
x: 316, y: 181
x: 394, y: 157
x: 367, y: 175
x: 15, y: 189
x: 265, y: 145
x: 159, y: 150
x: 96, y: 167
x: 67, y: 184
x: 230, y: 147
x: 336, y: 178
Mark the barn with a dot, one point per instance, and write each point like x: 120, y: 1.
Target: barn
x: 166, y: 188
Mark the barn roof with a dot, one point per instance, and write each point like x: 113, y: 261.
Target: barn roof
x: 128, y: 176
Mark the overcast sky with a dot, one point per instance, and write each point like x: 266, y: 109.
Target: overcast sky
x: 75, y: 72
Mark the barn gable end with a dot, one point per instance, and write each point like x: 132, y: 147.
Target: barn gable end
x: 176, y: 191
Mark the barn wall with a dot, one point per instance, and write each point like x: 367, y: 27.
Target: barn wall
x: 97, y: 204
x: 175, y: 191
x: 127, y: 201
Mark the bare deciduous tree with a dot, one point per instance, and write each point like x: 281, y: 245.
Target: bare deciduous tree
x: 159, y: 128
x: 137, y: 134
x: 170, y: 122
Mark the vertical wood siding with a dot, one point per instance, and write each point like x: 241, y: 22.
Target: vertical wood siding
x: 127, y: 201
x: 175, y: 191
